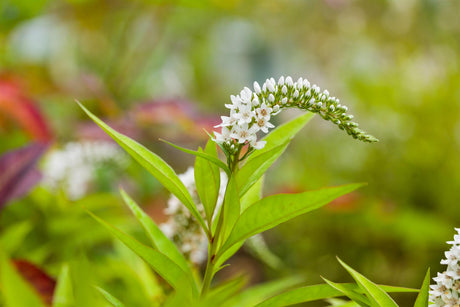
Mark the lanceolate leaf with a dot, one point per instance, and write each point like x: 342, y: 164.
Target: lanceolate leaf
x: 422, y: 298
x: 282, y: 134
x: 205, y: 155
x: 231, y: 208
x: 110, y: 298
x: 207, y: 180
x: 253, y: 169
x: 318, y: 292
x: 274, y: 210
x: 154, y: 164
x: 163, y: 265
x: 159, y: 240
x: 359, y: 298
x: 253, y: 195
x: 63, y: 294
x: 376, y: 294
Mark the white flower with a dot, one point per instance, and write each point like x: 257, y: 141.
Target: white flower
x: 222, y: 137
x: 245, y: 114
x: 243, y: 134
x: 264, y: 111
x: 271, y: 98
x: 263, y: 124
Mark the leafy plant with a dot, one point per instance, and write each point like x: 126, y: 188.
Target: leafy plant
x: 243, y: 213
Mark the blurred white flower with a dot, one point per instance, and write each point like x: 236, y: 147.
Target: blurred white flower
x: 72, y: 168
x: 182, y: 228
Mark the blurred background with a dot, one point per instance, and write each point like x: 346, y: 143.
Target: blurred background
x: 165, y: 69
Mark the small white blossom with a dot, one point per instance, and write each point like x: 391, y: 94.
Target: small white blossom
x: 271, y: 98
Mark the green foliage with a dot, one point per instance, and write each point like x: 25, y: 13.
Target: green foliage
x: 242, y: 215
x: 207, y: 178
x: 110, y: 298
x: 63, y: 294
x: 154, y: 164
x: 163, y: 265
x: 159, y: 240
x: 276, y: 209
x: 422, y: 298
x: 373, y: 292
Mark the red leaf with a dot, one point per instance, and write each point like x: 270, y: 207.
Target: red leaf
x: 23, y: 110
x: 18, y: 173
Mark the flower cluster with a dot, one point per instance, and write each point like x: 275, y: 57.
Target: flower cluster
x: 251, y: 111
x: 182, y: 228
x: 446, y: 290
x: 72, y: 168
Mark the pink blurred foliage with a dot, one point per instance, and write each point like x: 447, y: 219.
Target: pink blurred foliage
x: 18, y: 173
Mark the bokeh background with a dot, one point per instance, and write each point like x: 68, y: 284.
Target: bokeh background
x: 165, y: 69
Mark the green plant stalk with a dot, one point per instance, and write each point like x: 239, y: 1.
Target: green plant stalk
x: 233, y: 164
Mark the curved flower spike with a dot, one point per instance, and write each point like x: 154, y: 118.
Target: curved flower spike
x: 247, y: 118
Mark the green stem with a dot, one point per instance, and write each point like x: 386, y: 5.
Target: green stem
x: 214, y: 241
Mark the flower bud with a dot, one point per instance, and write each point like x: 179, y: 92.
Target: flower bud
x: 257, y: 89
x: 289, y: 81
x: 271, y: 98
x: 284, y: 90
x: 281, y: 81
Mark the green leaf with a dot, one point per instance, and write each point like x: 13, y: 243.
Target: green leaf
x: 16, y: 291
x: 317, y: 292
x: 110, y: 298
x: 154, y: 164
x: 253, y: 169
x: 282, y: 134
x: 159, y: 240
x: 422, y: 298
x: 274, y: 210
x: 207, y: 180
x: 253, y: 195
x: 63, y: 294
x: 221, y: 293
x: 376, y: 294
x: 162, y: 264
x: 230, y: 207
x: 257, y: 294
x: 211, y: 158
x: 359, y: 298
